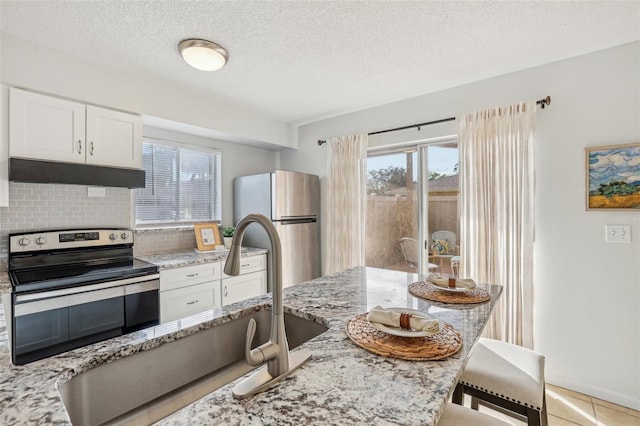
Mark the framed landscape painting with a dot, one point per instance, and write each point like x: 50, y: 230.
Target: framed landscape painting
x: 613, y: 177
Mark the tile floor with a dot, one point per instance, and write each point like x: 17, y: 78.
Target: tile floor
x: 569, y: 408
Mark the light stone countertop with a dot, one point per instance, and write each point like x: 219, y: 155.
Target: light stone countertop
x: 192, y: 257
x: 5, y: 283
x: 341, y: 384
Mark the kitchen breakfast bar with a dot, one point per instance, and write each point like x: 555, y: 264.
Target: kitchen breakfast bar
x: 341, y: 384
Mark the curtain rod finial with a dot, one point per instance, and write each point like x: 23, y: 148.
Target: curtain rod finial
x: 543, y: 102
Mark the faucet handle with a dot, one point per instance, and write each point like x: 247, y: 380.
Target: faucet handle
x: 255, y: 356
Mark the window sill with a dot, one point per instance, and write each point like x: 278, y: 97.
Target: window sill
x: 144, y: 229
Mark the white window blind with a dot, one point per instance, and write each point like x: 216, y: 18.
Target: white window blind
x: 182, y: 184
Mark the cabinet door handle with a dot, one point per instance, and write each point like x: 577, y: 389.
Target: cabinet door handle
x: 193, y: 302
x: 225, y: 291
x: 192, y: 275
x: 91, y: 151
x: 79, y: 147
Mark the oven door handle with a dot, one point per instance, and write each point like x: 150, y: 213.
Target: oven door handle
x: 85, y: 288
x: 51, y: 304
x: 142, y: 287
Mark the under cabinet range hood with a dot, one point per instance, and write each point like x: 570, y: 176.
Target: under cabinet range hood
x: 37, y: 171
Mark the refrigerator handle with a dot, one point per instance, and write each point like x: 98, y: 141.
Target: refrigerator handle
x: 293, y: 221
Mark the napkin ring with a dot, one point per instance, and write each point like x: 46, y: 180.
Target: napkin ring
x: 405, y: 320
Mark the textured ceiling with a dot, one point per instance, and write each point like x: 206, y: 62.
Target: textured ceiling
x: 298, y: 61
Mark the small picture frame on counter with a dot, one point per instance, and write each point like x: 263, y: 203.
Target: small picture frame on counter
x: 208, y: 236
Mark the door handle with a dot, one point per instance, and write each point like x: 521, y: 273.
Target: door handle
x: 79, y: 147
x: 225, y: 291
x: 91, y: 152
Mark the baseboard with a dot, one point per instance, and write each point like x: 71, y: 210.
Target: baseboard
x: 596, y: 392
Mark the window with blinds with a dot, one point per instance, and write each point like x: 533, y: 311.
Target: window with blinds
x: 182, y: 185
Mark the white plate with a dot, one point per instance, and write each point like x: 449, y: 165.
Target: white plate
x: 451, y: 290
x: 396, y: 331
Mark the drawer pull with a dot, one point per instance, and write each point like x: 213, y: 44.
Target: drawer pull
x: 246, y: 265
x: 192, y: 275
x: 193, y: 302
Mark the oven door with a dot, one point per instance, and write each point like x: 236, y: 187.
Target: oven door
x: 50, y: 322
x: 51, y: 325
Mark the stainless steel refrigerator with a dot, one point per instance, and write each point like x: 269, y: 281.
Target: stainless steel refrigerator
x: 292, y: 201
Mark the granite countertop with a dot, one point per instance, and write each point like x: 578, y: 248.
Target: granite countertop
x: 5, y: 283
x: 192, y: 257
x: 341, y: 384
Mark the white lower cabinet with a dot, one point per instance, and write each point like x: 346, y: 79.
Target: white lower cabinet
x: 196, y: 288
x: 189, y: 290
x: 235, y: 289
x: 182, y: 302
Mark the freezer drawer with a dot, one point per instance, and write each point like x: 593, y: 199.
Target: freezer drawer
x: 300, y: 252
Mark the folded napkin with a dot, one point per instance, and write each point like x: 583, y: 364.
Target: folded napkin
x: 390, y: 318
x: 467, y: 283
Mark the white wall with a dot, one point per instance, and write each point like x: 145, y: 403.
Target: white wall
x: 237, y: 160
x: 587, y: 292
x: 39, y: 68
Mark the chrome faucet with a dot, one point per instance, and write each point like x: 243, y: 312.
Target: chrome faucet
x: 275, y: 352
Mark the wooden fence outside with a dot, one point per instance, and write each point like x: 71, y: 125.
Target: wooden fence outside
x: 390, y: 218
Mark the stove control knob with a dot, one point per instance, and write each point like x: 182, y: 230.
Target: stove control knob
x: 24, y: 241
x: 41, y: 240
x: 124, y: 236
x: 113, y: 237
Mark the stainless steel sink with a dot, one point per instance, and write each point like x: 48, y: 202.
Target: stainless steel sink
x: 148, y: 386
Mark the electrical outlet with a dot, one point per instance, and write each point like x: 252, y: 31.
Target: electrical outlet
x: 618, y: 233
x: 96, y: 191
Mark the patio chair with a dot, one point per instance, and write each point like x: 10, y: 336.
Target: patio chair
x: 409, y: 248
x: 450, y: 238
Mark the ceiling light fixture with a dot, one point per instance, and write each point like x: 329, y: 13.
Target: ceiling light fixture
x: 203, y: 54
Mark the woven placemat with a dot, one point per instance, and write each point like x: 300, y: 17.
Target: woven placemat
x: 431, y: 292
x: 439, y: 346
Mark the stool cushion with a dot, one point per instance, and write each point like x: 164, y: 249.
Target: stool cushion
x: 508, y: 371
x: 457, y: 415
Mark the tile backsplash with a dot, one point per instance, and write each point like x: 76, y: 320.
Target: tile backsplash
x: 155, y: 241
x: 34, y: 207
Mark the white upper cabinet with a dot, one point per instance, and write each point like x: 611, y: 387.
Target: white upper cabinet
x: 114, y: 138
x: 51, y: 129
x: 45, y: 128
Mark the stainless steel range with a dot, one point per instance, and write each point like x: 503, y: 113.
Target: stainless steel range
x: 76, y: 287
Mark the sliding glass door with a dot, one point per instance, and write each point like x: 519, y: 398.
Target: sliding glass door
x: 412, y: 193
x: 392, y: 211
x: 440, y: 230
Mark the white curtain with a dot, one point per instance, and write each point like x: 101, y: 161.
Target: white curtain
x: 344, y: 207
x: 496, y: 204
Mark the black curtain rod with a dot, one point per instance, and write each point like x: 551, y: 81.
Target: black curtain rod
x: 542, y: 102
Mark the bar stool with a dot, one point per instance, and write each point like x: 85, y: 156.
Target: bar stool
x: 455, y: 415
x: 507, y: 376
